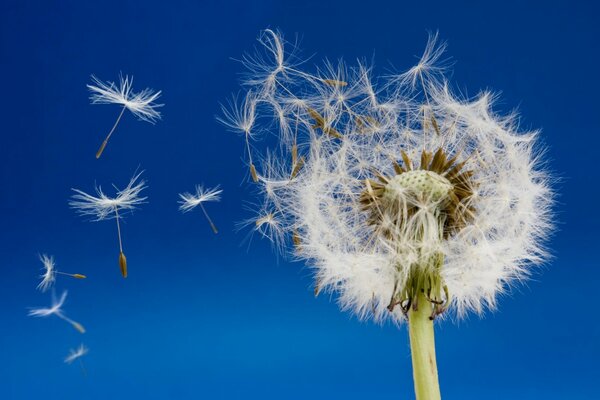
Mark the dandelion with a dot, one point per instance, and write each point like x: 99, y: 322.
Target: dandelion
x: 241, y: 119
x: 103, y: 207
x: 410, y: 203
x: 76, y: 354
x: 190, y: 201
x: 56, y: 309
x: 140, y: 104
x: 50, y: 272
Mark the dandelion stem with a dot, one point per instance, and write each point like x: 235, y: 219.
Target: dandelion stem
x: 119, y: 230
x: 122, y: 258
x: 78, y: 276
x: 212, y: 225
x: 82, y: 368
x: 103, y: 145
x: 422, y: 347
x: 74, y: 324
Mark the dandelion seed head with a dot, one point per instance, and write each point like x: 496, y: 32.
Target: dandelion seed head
x: 141, y: 104
x: 403, y: 185
x: 239, y: 116
x: 54, y: 309
x: 104, y: 207
x: 49, y: 275
x: 189, y: 201
x: 77, y: 353
x: 429, y: 67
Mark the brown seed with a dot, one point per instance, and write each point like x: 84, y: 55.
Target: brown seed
x: 435, y: 125
x: 101, y: 149
x: 439, y: 160
x: 123, y: 264
x: 79, y: 327
x: 332, y: 132
x: 314, y: 114
x: 253, y: 173
x: 294, y: 154
x: 317, y: 288
x: 79, y: 276
x: 425, y: 159
x: 335, y: 82
x: 397, y: 168
x: 320, y: 123
x: 296, y: 239
x: 297, y: 168
x: 406, y: 160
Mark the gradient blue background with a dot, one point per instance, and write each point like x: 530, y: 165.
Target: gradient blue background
x: 203, y: 316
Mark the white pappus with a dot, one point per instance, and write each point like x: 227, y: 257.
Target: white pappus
x: 56, y: 309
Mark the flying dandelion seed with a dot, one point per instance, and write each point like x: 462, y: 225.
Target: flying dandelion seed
x: 140, y: 104
x: 76, y: 354
x: 190, y: 201
x: 50, y: 272
x: 409, y: 202
x: 56, y: 309
x: 103, y: 207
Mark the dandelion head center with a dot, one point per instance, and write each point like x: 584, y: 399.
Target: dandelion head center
x: 440, y: 187
x: 427, y: 185
x: 419, y: 207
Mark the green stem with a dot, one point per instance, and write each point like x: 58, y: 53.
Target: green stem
x: 422, y: 348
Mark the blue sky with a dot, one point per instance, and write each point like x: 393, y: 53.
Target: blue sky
x: 207, y: 316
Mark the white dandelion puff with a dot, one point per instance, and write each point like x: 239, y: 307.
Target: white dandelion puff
x: 50, y: 272
x: 410, y: 202
x: 104, y: 207
x: 267, y: 67
x: 57, y: 310
x: 49, y: 275
x: 430, y: 65
x: 76, y: 354
x: 141, y: 104
x: 189, y: 201
x: 240, y: 117
x: 267, y: 225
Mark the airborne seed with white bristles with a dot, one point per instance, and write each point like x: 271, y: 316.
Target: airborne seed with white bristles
x: 141, y: 104
x: 103, y: 207
x: 50, y: 272
x: 190, y: 201
x: 56, y: 309
x: 407, y: 200
x: 75, y: 354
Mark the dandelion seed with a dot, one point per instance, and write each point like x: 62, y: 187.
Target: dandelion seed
x: 103, y: 207
x: 335, y: 82
x: 190, y: 201
x: 439, y: 209
x: 267, y: 225
x: 50, y: 272
x: 140, y: 104
x: 429, y: 67
x: 56, y: 309
x: 322, y: 124
x: 76, y: 354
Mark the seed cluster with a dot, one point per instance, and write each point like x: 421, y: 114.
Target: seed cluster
x: 439, y: 180
x: 440, y: 184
